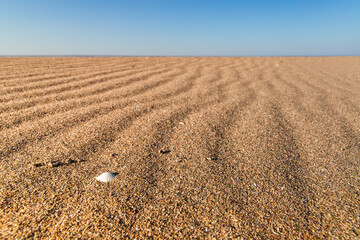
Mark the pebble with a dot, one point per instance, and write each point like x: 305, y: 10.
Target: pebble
x: 70, y: 160
x: 53, y: 164
x: 164, y: 151
x: 38, y: 164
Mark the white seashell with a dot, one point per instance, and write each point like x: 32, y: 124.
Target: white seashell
x: 106, y: 177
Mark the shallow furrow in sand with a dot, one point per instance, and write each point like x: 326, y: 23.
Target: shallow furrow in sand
x: 348, y: 97
x: 97, y: 145
x: 302, y: 89
x: 31, y: 73
x: 178, y: 180
x: 88, y: 83
x: 49, y: 72
x: 338, y: 75
x: 51, y: 125
x: 282, y: 162
x: 57, y: 79
x: 48, y: 130
x: 324, y: 81
x: 182, y: 86
x: 10, y: 120
x: 181, y: 114
x: 282, y: 127
x: 322, y: 160
x: 197, y: 78
x: 325, y: 104
x: 292, y: 165
x: 83, y: 76
x: 84, y: 92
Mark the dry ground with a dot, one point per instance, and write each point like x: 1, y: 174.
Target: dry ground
x: 204, y: 147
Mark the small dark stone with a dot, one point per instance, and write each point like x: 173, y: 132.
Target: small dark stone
x: 70, y: 160
x: 164, y: 151
x: 38, y: 164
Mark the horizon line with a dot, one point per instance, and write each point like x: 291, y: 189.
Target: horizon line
x: 115, y: 55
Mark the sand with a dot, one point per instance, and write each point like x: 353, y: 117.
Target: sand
x: 203, y: 147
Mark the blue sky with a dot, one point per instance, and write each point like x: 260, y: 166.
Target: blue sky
x: 180, y: 27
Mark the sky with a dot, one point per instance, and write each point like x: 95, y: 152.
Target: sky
x: 180, y: 27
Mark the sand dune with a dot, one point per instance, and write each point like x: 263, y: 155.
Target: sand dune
x: 203, y: 147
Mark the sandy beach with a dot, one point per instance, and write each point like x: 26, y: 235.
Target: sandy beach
x: 204, y: 147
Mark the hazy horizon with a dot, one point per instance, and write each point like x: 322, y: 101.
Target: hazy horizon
x: 89, y: 55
